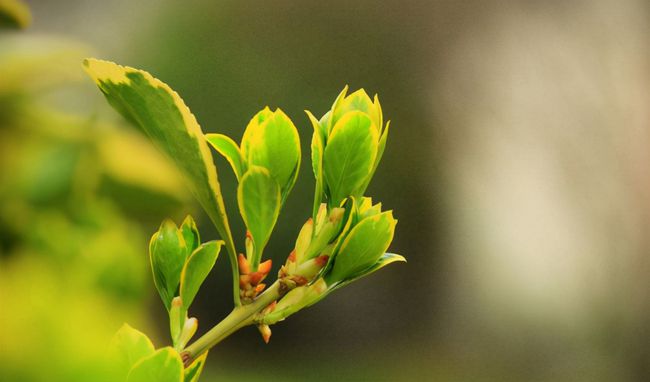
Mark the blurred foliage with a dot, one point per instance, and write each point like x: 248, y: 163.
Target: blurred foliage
x: 72, y: 262
x: 14, y: 14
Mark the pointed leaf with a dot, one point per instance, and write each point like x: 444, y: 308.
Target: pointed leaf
x: 363, y: 246
x: 380, y: 153
x: 349, y: 155
x: 164, y: 365
x: 190, y: 234
x: 229, y: 150
x: 357, y: 101
x: 317, y: 162
x: 163, y: 116
x: 259, y: 204
x: 328, y: 118
x: 275, y: 145
x: 384, y: 260
x: 167, y: 253
x: 127, y: 347
x: 196, y: 269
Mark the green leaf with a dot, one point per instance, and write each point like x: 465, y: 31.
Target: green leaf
x: 380, y: 153
x: 229, y: 150
x: 196, y: 269
x: 259, y: 204
x: 349, y: 155
x: 317, y: 161
x: 163, y: 116
x: 363, y: 246
x: 164, y: 365
x: 127, y: 347
x: 275, y: 145
x: 193, y: 372
x: 190, y: 234
x: 167, y: 253
x: 357, y: 101
x: 384, y: 260
x: 328, y: 120
x: 14, y: 14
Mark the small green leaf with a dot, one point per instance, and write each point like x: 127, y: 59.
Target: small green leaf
x: 259, y: 203
x: 127, y: 347
x: 275, y: 145
x: 380, y: 153
x: 363, y: 246
x: 357, y: 101
x: 161, y: 113
x: 167, y: 253
x: 177, y: 317
x: 190, y: 234
x: 14, y: 14
x: 229, y: 150
x: 193, y: 372
x: 384, y: 260
x: 164, y: 365
x: 196, y: 269
x: 349, y: 156
x: 328, y: 120
x: 317, y: 161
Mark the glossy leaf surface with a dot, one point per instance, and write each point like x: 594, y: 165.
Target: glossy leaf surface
x: 196, y: 269
x: 259, y: 203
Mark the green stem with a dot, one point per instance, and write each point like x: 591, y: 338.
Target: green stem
x: 240, y: 316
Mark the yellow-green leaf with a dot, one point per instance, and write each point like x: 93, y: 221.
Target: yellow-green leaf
x: 190, y: 234
x: 229, y: 150
x: 317, y: 161
x: 196, y: 269
x: 163, y: 116
x: 349, y: 156
x: 363, y: 246
x: 167, y: 253
x: 259, y: 203
x: 164, y: 365
x: 127, y: 347
x: 273, y: 144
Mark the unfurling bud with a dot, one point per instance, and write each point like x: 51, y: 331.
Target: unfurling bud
x: 250, y: 283
x: 328, y: 231
x: 189, y: 329
x: 303, y: 240
x: 265, y: 331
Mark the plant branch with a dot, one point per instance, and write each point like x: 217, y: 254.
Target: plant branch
x: 240, y: 317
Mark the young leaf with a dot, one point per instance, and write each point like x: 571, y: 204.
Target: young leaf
x: 349, y: 155
x: 259, y: 203
x: 164, y: 365
x: 317, y: 144
x: 190, y: 234
x: 196, y: 269
x: 384, y: 260
x: 380, y: 153
x: 229, y: 150
x: 357, y: 101
x: 275, y: 145
x: 167, y: 253
x: 193, y: 372
x: 127, y: 347
x: 163, y: 116
x: 363, y: 246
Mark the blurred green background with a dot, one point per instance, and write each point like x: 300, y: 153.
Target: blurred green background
x: 518, y: 167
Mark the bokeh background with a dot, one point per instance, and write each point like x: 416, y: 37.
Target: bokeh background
x: 518, y: 167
